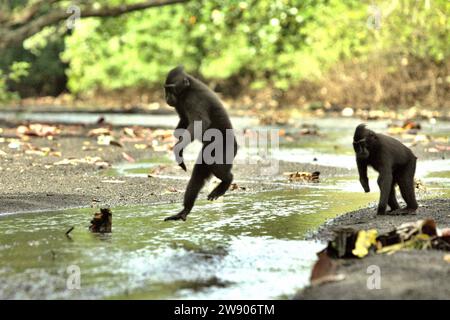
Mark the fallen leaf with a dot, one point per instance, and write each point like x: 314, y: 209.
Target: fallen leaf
x: 442, y: 147
x: 116, y: 143
x: 324, y: 270
x: 105, y: 140
x: 419, y: 185
x: 235, y: 186
x: 99, y: 132
x: 303, y: 176
x: 128, y: 157
x: 45, y: 151
x: 89, y: 148
x: 38, y: 130
x: 445, y: 232
x: 140, y: 146
x: 364, y: 241
x: 156, y: 170
x: 87, y: 160
x: 129, y: 132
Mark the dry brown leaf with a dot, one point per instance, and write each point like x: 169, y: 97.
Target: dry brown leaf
x: 130, y: 132
x: 303, y: 176
x: 38, y: 130
x: 97, y: 161
x: 235, y: 186
x: 140, y: 146
x: 324, y: 270
x: 100, y: 132
x: 442, y: 147
x: 116, y: 143
x: 156, y: 170
x: 127, y: 157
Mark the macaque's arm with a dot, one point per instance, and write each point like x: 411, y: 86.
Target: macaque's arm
x: 183, y: 123
x: 363, y: 179
x: 184, y: 137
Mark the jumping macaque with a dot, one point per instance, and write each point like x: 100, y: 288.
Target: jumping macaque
x: 199, y: 109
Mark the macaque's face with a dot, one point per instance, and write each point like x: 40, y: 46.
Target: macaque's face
x: 361, y: 149
x: 170, y: 94
x: 176, y: 84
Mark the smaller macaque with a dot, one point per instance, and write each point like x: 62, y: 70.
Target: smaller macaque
x: 395, y: 163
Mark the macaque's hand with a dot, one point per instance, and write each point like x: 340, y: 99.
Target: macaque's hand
x: 365, y: 185
x: 179, y: 155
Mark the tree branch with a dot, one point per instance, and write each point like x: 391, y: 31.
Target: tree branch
x: 28, y: 13
x: 10, y: 36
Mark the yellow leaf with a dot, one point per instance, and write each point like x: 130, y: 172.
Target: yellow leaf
x: 364, y: 241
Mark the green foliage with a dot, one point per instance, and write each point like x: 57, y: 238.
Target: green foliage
x: 18, y: 71
x: 279, y: 42
x: 5, y: 95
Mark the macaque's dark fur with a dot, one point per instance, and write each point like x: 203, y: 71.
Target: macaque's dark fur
x: 194, y: 101
x: 395, y: 163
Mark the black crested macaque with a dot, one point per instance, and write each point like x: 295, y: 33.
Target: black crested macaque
x: 395, y: 163
x: 197, y: 105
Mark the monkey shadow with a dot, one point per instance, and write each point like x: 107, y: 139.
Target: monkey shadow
x: 33, y: 202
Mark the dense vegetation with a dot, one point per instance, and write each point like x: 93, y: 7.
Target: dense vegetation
x: 394, y: 52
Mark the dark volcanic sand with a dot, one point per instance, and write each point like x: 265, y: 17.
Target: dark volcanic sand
x: 33, y: 183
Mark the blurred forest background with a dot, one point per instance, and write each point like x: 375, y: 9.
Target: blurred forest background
x: 270, y: 53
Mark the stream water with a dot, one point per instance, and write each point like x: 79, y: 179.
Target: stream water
x: 248, y: 246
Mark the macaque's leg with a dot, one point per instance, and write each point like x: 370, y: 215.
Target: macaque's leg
x: 385, y: 184
x: 393, y: 204
x: 199, y: 176
x: 223, y: 172
x: 406, y: 184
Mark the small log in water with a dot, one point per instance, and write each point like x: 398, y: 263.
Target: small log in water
x: 69, y: 231
x: 102, y: 221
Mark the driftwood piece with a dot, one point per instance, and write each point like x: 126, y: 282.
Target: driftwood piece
x: 102, y: 221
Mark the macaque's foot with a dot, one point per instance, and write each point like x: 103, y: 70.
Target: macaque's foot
x: 215, y: 194
x: 179, y: 216
x: 381, y: 213
x: 403, y: 211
